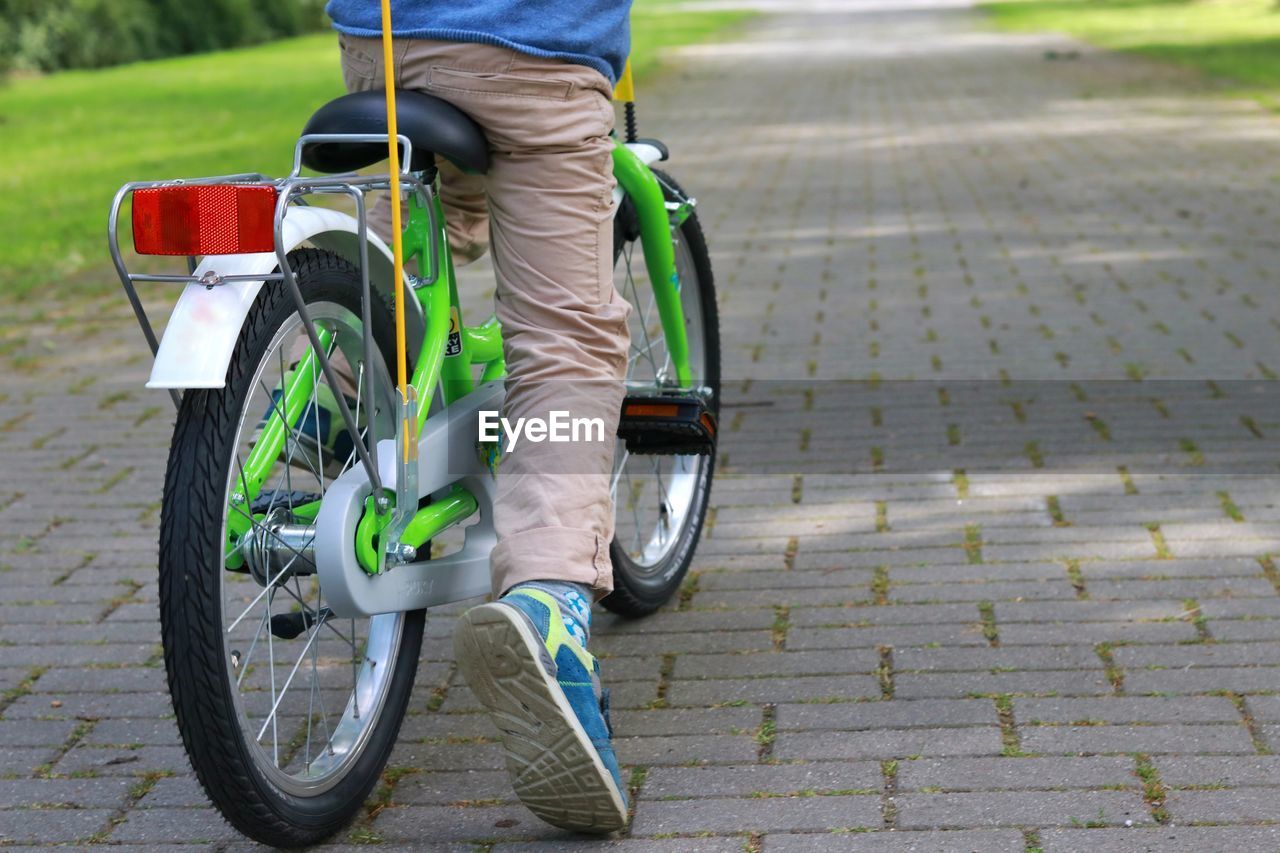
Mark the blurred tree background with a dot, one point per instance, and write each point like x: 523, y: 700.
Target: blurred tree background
x: 38, y: 35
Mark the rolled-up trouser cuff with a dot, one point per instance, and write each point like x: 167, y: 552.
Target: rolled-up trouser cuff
x: 552, y: 553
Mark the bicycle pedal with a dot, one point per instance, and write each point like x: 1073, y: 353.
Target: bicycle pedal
x: 668, y: 425
x: 287, y: 626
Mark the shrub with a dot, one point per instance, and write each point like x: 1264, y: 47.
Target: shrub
x: 44, y: 36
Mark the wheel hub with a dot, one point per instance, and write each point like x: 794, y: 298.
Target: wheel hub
x: 277, y: 549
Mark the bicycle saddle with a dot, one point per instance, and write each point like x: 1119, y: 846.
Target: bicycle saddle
x: 432, y: 125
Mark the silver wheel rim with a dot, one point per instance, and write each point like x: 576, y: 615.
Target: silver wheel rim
x: 655, y: 496
x: 306, y: 707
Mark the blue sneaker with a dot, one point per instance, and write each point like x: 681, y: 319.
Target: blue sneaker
x: 319, y: 435
x: 541, y: 689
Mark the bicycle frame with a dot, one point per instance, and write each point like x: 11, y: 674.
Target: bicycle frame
x: 357, y: 507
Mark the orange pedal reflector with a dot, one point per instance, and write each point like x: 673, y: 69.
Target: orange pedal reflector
x: 640, y: 410
x: 204, y: 219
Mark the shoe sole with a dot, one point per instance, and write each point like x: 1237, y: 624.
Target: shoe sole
x: 555, y: 770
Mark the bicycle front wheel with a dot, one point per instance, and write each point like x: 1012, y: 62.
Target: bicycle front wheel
x: 660, y: 502
x: 287, y: 713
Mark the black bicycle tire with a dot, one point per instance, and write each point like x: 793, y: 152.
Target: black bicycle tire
x: 190, y: 600
x: 635, y: 595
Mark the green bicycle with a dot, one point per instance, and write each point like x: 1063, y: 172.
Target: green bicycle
x: 295, y: 548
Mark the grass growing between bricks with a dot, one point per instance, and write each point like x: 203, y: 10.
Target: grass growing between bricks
x: 1115, y: 675
x: 888, y: 806
x: 987, y: 612
x: 1010, y: 740
x: 1154, y: 792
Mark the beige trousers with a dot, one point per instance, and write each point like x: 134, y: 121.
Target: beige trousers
x: 546, y: 207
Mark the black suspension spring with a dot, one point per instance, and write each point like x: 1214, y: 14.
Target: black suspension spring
x: 629, y: 114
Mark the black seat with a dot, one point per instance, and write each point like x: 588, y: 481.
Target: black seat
x: 432, y: 125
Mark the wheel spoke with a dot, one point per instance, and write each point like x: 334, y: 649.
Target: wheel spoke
x: 271, y: 672
x: 244, y: 664
x: 315, y: 632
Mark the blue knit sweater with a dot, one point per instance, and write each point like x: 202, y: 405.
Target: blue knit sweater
x: 595, y: 33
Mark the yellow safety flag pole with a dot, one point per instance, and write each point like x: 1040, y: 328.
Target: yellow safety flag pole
x: 393, y: 155
x: 626, y: 88
x: 397, y: 243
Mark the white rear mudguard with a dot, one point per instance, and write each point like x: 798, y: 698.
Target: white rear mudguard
x: 202, y: 331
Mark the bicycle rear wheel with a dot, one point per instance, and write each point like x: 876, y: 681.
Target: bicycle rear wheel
x: 287, y: 713
x: 660, y: 502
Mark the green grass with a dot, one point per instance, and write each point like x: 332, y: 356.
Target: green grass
x: 1235, y: 41
x: 69, y: 140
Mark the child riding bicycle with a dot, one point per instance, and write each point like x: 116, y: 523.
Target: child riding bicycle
x: 537, y: 76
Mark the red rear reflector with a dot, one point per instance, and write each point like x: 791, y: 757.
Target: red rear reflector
x: 206, y: 219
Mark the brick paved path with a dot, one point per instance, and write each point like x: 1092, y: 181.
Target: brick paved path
x: 969, y: 585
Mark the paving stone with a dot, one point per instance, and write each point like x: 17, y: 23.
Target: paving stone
x: 63, y: 793
x: 1138, y: 569
x: 1218, y: 771
x: 51, y: 826
x: 21, y: 761
x: 1243, y: 630
x: 116, y: 761
x: 1092, y: 633
x: 758, y: 815
x: 452, y: 823
x: 783, y: 663
x: 125, y: 680
x: 1012, y: 657
x: 1241, y: 805
x: 148, y: 732
x: 1198, y: 588
x: 90, y: 705
x: 977, y: 841
x: 1030, y: 808
x: 603, y: 645
x: 1265, y: 708
x: 427, y: 727
x: 989, y: 774
x: 754, y: 779
x: 1209, y: 739
x: 889, y: 743
x: 35, y: 732
x: 1114, y: 710
x: 1165, y: 839
x: 448, y: 756
x: 191, y: 826
x: 627, y: 845
x: 1207, y: 680
x: 682, y: 749
x: 1045, y: 570
x: 723, y: 691
x: 959, y: 634
x: 898, y: 614
x: 886, y: 714
x: 962, y: 684
x: 453, y: 786
x: 175, y: 792
x: 1206, y: 655
x: 686, y: 721
x: 1088, y: 611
